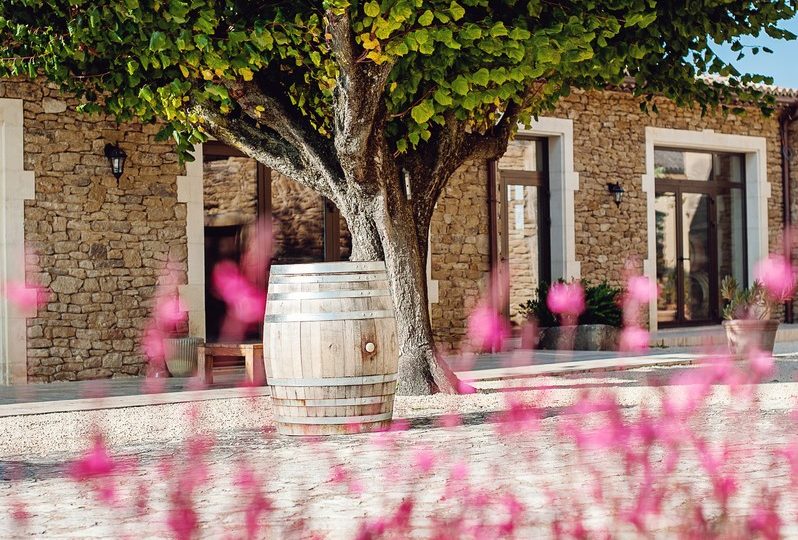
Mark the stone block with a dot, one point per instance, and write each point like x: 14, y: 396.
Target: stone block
x: 65, y: 285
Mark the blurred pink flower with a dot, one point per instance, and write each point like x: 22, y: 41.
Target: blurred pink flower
x: 641, y: 289
x: 459, y: 471
x: 777, y: 276
x: 95, y: 463
x: 566, y: 299
x: 19, y: 513
x: 518, y: 418
x: 450, y: 420
x: 246, y: 301
x: 762, y: 364
x: 182, y: 519
x: 97, y: 467
x: 487, y: 329
x: 463, y: 387
x: 634, y: 339
x: 257, y: 255
x: 24, y: 297
x: 424, y: 459
x: 765, y: 522
x: 170, y: 311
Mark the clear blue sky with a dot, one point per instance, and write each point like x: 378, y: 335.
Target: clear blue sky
x: 782, y: 65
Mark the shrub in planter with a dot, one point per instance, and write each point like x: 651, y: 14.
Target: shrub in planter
x: 748, y: 323
x: 596, y: 328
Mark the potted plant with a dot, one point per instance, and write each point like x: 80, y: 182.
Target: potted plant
x: 747, y: 313
x: 596, y: 329
x: 180, y: 351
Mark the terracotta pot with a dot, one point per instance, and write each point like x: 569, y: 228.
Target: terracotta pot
x: 181, y: 355
x: 746, y: 335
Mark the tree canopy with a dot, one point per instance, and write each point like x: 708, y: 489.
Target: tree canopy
x: 468, y: 58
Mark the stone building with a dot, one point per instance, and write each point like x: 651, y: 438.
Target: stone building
x: 703, y: 198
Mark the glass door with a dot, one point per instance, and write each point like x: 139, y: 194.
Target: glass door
x: 700, y: 232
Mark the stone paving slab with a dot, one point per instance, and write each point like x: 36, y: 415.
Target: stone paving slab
x: 125, y: 401
x: 576, y: 366
x: 120, y: 386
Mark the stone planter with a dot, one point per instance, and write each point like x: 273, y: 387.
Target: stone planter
x: 584, y: 337
x: 181, y: 355
x: 746, y: 335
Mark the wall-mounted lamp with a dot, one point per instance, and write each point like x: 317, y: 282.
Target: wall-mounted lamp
x: 617, y: 192
x: 116, y: 157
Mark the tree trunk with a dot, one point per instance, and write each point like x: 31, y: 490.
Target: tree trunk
x: 420, y: 372
x: 366, y: 243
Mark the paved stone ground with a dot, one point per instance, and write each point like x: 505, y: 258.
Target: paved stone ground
x: 546, y: 474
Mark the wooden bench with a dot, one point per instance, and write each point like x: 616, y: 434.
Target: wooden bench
x: 253, y: 360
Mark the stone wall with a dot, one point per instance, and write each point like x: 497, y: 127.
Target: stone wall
x: 230, y: 191
x: 460, y: 251
x: 609, y: 146
x: 99, y: 246
x: 298, y: 214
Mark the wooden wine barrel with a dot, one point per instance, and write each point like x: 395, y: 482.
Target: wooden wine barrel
x: 329, y: 346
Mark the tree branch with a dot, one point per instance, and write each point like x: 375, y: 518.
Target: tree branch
x: 432, y: 164
x: 358, y: 104
x: 272, y: 111
x: 264, y: 145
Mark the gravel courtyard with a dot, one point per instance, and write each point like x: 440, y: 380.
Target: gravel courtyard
x: 450, y: 451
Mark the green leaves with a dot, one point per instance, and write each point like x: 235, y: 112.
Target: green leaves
x: 460, y: 85
x: 462, y: 59
x: 371, y: 9
x: 422, y: 112
x: 158, y: 42
x: 456, y: 10
x: 481, y: 77
x: 426, y: 18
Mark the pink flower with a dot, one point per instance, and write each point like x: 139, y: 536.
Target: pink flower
x: 641, y: 289
x: 487, y: 329
x: 777, y: 276
x: 450, y: 420
x: 765, y: 520
x: 246, y: 301
x: 95, y: 463
x: 566, y: 299
x: 170, y: 311
x: 518, y: 418
x: 182, y: 519
x: 424, y: 459
x: 459, y: 471
x: 762, y: 364
x: 19, y: 513
x: 24, y: 297
x: 634, y: 339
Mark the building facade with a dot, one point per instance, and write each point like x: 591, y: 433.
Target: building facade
x: 702, y: 199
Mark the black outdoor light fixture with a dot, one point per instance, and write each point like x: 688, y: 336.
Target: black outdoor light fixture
x: 617, y: 192
x: 116, y: 157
